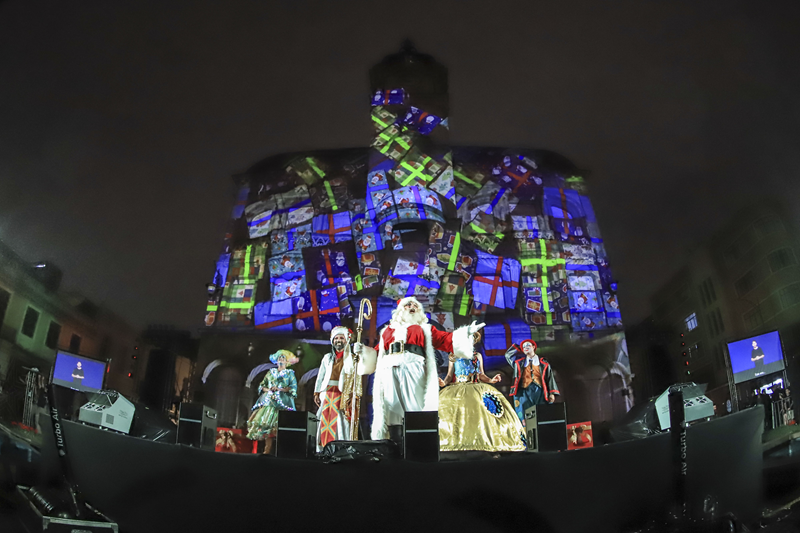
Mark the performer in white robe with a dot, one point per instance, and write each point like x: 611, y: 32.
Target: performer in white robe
x: 334, y: 418
x: 404, y: 363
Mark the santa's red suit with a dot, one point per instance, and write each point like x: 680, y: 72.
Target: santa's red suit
x: 404, y: 364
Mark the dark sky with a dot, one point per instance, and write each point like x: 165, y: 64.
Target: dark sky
x: 121, y: 122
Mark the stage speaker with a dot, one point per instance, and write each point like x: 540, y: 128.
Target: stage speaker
x: 197, y: 426
x: 297, y: 432
x: 546, y: 427
x: 421, y: 436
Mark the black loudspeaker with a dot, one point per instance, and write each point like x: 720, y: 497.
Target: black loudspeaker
x: 546, y: 427
x: 297, y: 432
x: 197, y: 426
x: 421, y: 436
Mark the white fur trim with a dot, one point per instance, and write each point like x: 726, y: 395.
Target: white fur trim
x: 384, y: 378
x: 400, y: 332
x: 368, y: 361
x: 431, y: 402
x: 462, y: 344
x: 340, y: 330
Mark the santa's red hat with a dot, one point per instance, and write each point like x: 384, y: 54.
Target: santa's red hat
x: 403, y: 301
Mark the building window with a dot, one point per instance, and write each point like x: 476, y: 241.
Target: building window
x: 712, y: 295
x: 5, y: 296
x: 742, y: 244
x: 29, y: 323
x: 718, y: 318
x: 752, y: 319
x: 768, y: 225
x: 780, y: 259
x: 75, y: 343
x: 691, y: 322
x: 771, y: 306
x: 53, y: 333
x: 732, y: 253
x: 790, y: 295
x: 746, y: 283
x: 710, y: 323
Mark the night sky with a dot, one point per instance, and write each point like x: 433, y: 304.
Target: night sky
x: 122, y: 122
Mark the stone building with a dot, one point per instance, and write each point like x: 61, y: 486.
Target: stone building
x: 744, y: 281
x: 506, y: 236
x: 37, y: 320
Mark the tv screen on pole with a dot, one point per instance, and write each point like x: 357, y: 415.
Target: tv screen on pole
x: 757, y: 356
x: 79, y: 373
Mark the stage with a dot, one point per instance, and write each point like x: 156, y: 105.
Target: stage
x: 151, y: 487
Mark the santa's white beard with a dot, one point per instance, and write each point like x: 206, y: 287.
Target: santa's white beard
x: 404, y: 318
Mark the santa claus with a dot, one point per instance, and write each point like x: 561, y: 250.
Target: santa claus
x: 404, y: 364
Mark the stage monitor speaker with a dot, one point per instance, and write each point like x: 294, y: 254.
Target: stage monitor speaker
x: 197, y: 426
x: 108, y: 409
x: 421, y: 436
x: 546, y: 427
x: 297, y: 431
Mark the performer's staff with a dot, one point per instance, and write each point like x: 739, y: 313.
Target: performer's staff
x: 356, y: 378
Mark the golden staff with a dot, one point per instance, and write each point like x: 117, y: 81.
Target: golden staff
x: 356, y: 378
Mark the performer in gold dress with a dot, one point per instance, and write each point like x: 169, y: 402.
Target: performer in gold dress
x: 474, y: 415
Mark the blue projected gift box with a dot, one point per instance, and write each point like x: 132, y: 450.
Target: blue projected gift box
x: 332, y: 228
x: 390, y: 97
x: 571, y: 230
x: 368, y: 238
x: 497, y: 338
x: 562, y: 203
x: 331, y: 268
x: 316, y: 310
x: 417, y: 204
x: 496, y: 280
x: 584, y: 301
x: 583, y: 280
x: 283, y: 288
x: 288, y: 240
x: 588, y: 321
x: 529, y: 228
x: 286, y: 263
x: 400, y: 287
x: 517, y: 177
x: 577, y: 254
x: 423, y: 122
x: 275, y: 316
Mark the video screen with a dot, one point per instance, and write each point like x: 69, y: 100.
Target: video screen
x: 79, y: 373
x: 756, y: 356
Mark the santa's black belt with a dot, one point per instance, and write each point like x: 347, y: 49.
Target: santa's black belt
x: 399, y: 347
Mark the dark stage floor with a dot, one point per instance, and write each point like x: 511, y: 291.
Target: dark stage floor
x: 781, y: 479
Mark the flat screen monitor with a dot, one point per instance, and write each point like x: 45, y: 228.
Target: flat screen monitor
x: 757, y: 356
x: 79, y: 373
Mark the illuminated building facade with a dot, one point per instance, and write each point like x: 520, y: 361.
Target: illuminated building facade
x: 498, y: 235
